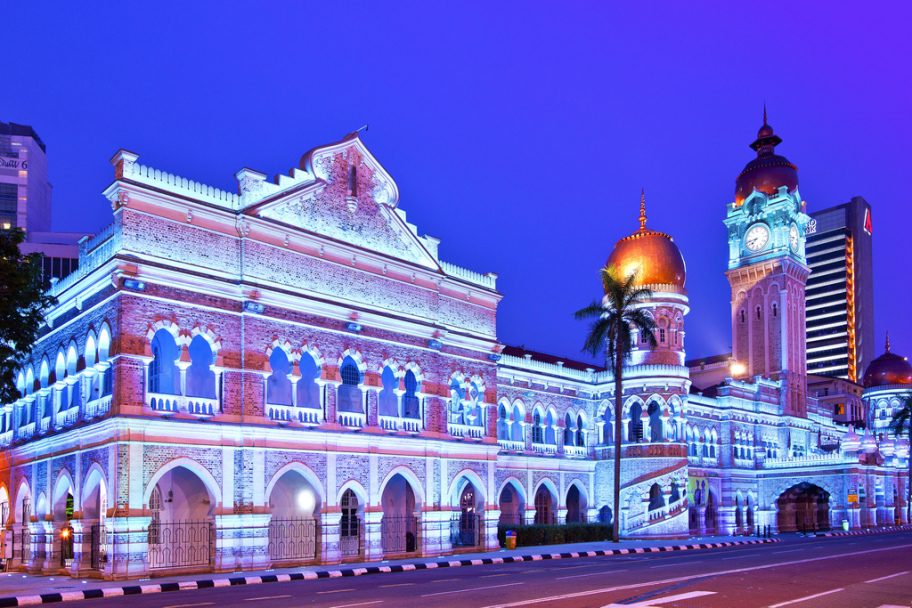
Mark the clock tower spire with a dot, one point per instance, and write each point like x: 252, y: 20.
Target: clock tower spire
x: 767, y: 271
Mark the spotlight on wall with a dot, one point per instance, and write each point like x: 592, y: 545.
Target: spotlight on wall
x: 738, y: 369
x: 254, y: 307
x: 306, y: 501
x: 352, y: 326
x: 435, y: 344
x: 134, y: 285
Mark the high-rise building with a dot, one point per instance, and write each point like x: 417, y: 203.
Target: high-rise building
x: 840, y: 291
x: 25, y: 201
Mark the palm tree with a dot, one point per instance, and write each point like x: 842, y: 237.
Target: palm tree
x: 902, y: 421
x: 614, y: 320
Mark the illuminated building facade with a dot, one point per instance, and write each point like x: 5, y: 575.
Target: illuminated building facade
x: 291, y: 375
x: 840, y: 291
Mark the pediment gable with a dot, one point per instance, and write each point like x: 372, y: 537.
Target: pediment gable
x: 350, y: 198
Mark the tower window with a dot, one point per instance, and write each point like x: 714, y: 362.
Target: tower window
x: 758, y: 313
x: 662, y: 335
x: 742, y: 316
x: 775, y: 310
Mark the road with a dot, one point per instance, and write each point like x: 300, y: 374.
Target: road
x: 851, y: 572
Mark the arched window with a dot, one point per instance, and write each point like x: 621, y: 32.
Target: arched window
x: 662, y: 335
x: 607, y: 434
x: 655, y: 422
x: 543, y: 506
x: 349, y: 390
x: 349, y: 524
x: 503, y: 423
x: 155, y: 507
x: 538, y: 435
x: 308, y: 391
x: 580, y: 431
x: 411, y: 407
x: 388, y: 400
x: 758, y: 313
x: 742, y: 317
x: 519, y: 417
x: 775, y: 310
x: 551, y: 420
x: 569, y: 430
x: 164, y: 377
x: 656, y: 498
x: 635, y: 429
x: 278, y: 385
x: 457, y: 396
x: 200, y: 377
x: 675, y: 492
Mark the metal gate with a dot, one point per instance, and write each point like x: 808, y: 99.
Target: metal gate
x: 98, y: 541
x: 180, y: 544
x: 350, y: 533
x: 293, y: 538
x: 399, y: 534
x: 66, y: 545
x: 465, y: 530
x: 22, y: 545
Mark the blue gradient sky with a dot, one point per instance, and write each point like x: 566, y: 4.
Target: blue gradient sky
x: 520, y: 134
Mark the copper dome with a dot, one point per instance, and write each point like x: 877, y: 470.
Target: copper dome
x: 889, y: 368
x: 769, y: 171
x: 653, y: 254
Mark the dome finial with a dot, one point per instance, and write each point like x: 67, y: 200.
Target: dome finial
x: 642, y: 210
x: 764, y: 112
x: 888, y: 341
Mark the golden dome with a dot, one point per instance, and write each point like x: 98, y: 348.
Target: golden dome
x: 768, y: 171
x: 653, y: 254
x: 887, y: 369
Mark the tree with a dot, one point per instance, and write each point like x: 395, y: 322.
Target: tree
x: 22, y: 306
x: 614, y: 320
x: 899, y: 423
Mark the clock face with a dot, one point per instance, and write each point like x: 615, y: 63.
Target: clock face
x: 793, y: 237
x: 757, y: 237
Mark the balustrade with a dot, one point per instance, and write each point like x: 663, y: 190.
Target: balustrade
x: 395, y: 423
x: 98, y: 407
x: 465, y: 430
x: 576, y: 451
x: 352, y: 420
x: 544, y: 448
x: 511, y: 446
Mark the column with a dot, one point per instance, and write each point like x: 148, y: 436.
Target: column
x: 330, y: 529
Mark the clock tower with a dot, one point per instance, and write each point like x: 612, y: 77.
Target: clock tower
x: 767, y: 271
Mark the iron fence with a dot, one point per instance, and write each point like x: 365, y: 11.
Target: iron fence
x: 511, y: 519
x: 22, y: 544
x: 399, y: 534
x: 98, y: 543
x: 350, y: 533
x: 66, y: 545
x: 466, y: 530
x: 293, y: 538
x: 179, y: 544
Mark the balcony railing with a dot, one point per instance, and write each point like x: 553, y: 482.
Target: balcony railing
x: 202, y: 408
x: 810, y: 459
x: 465, y: 430
x: 27, y: 431
x: 576, y: 451
x: 352, y: 420
x: 509, y: 445
x: 394, y: 423
x: 173, y: 404
x: 6, y: 438
x: 44, y: 425
x: 544, y: 448
x: 98, y: 407
x: 290, y: 413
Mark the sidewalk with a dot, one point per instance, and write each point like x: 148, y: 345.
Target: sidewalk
x: 18, y: 589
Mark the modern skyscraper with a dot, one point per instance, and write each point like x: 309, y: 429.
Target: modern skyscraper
x: 25, y: 200
x: 840, y: 291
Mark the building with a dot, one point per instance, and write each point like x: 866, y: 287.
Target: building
x: 25, y: 201
x: 840, y: 291
x: 291, y: 375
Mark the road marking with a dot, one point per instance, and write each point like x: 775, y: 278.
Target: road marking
x: 493, y: 575
x: 472, y: 589
x: 361, y: 604
x: 560, y: 578
x: 396, y: 585
x: 336, y: 591
x: 725, y: 559
x: 789, y: 551
x: 663, y: 600
x: 697, y: 561
x: 678, y: 579
x: 804, y: 599
x: 265, y: 597
x: 883, y: 578
x: 189, y: 605
x: 445, y: 580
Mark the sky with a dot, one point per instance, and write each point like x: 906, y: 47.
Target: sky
x: 519, y: 133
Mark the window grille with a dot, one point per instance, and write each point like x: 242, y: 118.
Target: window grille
x: 350, y: 375
x: 411, y: 408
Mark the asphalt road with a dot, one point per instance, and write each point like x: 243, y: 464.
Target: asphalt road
x: 851, y: 572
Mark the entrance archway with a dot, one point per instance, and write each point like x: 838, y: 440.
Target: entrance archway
x: 803, y: 507
x: 466, y: 529
x: 710, y: 515
x: 294, y: 528
x: 512, y: 506
x: 180, y: 533
x: 544, y: 505
x: 399, y: 526
x: 350, y: 527
x: 576, y: 505
x: 94, y: 513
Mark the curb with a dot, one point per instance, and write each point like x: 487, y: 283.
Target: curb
x: 872, y: 531
x: 92, y: 594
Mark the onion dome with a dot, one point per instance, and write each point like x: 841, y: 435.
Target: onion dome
x: 653, y: 254
x: 902, y: 448
x: 889, y: 368
x: 887, y: 446
x: 868, y: 443
x: 850, y: 441
x: 769, y: 171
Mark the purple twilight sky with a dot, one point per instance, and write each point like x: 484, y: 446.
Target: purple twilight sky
x: 519, y: 133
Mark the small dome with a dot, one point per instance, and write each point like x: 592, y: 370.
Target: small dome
x: 653, y: 254
x: 850, y: 442
x: 889, y: 368
x: 868, y: 443
x: 902, y: 448
x: 769, y: 171
x: 887, y: 446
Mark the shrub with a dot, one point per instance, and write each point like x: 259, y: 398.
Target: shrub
x: 552, y: 534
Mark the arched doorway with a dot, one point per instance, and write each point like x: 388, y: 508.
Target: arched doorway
x: 544, y: 506
x: 62, y: 511
x: 94, y: 514
x: 710, y: 515
x: 399, y: 526
x: 294, y: 526
x: 512, y: 506
x: 350, y: 527
x: 803, y: 507
x: 576, y: 505
x: 467, y: 527
x: 180, y: 533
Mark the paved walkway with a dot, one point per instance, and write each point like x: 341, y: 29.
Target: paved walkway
x: 19, y: 589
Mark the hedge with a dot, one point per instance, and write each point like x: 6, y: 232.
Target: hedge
x: 552, y: 534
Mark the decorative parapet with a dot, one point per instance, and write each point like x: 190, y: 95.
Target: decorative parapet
x: 546, y: 368
x: 176, y: 184
x: 809, y: 460
x: 93, y: 252
x: 485, y: 280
